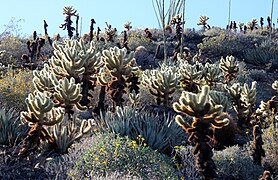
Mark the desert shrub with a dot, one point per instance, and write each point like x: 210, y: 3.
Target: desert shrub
x: 270, y: 139
x: 224, y: 44
x: 14, y: 47
x: 112, y: 153
x: 11, y: 129
x: 159, y: 132
x: 185, y: 163
x: 236, y: 163
x: 136, y: 39
x: 14, y: 88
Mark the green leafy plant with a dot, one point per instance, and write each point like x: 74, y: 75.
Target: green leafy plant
x: 235, y: 162
x: 112, y: 153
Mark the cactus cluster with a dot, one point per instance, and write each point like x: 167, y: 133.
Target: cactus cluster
x: 190, y: 76
x: 58, y: 95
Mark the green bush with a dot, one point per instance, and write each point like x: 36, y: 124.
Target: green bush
x: 236, y: 163
x: 114, y: 154
x: 15, y: 87
x: 226, y: 45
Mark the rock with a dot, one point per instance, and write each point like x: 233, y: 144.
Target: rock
x: 144, y: 58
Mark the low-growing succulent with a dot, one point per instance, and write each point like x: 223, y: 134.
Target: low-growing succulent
x: 159, y: 133
x: 11, y: 129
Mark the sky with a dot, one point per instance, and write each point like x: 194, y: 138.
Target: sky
x: 117, y: 12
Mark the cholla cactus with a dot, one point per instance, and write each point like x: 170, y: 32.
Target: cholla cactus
x: 248, y: 97
x: 92, y: 67
x: 41, y: 112
x: 67, y: 94
x: 43, y: 79
x: 266, y: 109
x: 162, y: 84
x: 69, y: 11
x: 244, y: 100
x: 65, y: 134
x: 127, y: 25
x: 110, y: 32
x: 240, y: 25
x: 275, y: 85
x: 66, y: 61
x: 229, y: 67
x: 134, y: 98
x: 212, y: 74
x: 257, y: 147
x: 204, y: 115
x: 254, y: 23
x: 203, y: 22
x: 118, y: 62
x: 118, y: 67
x: 190, y: 75
x: 219, y: 98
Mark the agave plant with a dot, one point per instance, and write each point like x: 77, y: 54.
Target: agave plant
x: 11, y: 129
x: 159, y: 133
